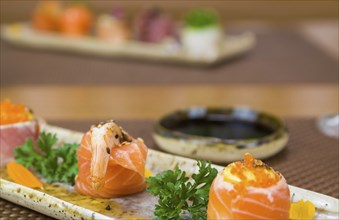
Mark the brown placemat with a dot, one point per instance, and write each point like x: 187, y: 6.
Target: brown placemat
x: 280, y: 56
x: 310, y: 159
x: 10, y: 210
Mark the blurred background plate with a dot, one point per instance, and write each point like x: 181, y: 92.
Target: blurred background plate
x: 220, y: 134
x: 169, y: 51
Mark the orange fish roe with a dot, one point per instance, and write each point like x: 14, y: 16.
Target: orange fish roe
x: 250, y: 172
x: 12, y: 113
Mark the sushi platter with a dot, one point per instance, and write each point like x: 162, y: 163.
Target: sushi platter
x: 22, y: 34
x: 151, y: 34
x: 140, y: 205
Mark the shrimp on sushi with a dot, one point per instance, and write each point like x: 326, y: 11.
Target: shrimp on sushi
x: 111, y: 162
x: 249, y: 190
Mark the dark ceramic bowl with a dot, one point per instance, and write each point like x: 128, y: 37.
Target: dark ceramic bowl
x: 220, y: 134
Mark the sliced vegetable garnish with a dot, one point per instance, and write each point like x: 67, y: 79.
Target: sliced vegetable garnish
x: 21, y: 175
x: 302, y: 210
x: 148, y: 173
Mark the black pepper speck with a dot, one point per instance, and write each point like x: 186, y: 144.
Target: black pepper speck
x: 108, y: 208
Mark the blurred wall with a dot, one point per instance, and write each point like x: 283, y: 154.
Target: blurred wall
x: 286, y: 10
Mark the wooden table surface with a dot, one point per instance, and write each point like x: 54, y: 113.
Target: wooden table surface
x: 150, y: 101
x: 55, y: 102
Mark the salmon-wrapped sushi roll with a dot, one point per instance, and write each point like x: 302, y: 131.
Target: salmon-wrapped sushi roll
x: 249, y: 190
x: 111, y: 162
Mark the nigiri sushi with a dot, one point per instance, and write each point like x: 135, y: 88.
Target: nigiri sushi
x: 75, y: 20
x: 111, y: 162
x: 153, y: 25
x: 17, y: 123
x: 46, y: 14
x: 249, y: 190
x: 113, y: 27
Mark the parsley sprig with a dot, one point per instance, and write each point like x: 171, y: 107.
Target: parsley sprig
x: 56, y: 164
x: 179, y: 196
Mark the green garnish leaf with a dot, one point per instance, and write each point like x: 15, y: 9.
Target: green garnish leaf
x: 201, y: 18
x: 179, y: 196
x: 56, y: 164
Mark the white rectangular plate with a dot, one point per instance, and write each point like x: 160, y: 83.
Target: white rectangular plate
x: 136, y: 206
x: 22, y: 34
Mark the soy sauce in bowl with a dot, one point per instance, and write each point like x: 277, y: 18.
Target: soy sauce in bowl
x: 220, y: 134
x: 235, y: 129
